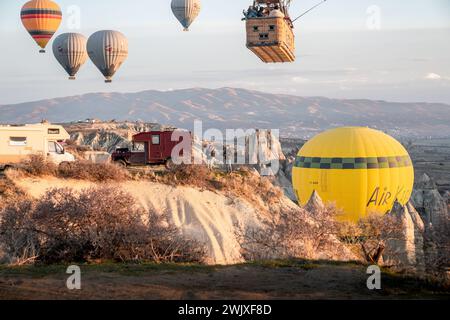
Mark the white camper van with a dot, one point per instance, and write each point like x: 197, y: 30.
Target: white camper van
x: 18, y: 142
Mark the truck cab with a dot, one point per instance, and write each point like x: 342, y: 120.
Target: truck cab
x: 57, y: 154
x: 148, y: 148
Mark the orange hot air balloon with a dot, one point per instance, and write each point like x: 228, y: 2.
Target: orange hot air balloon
x: 41, y: 18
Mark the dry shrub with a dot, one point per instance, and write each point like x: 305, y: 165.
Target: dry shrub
x: 199, y: 176
x: 9, y: 192
x: 95, y: 224
x: 293, y: 234
x: 17, y: 241
x: 38, y: 165
x: 250, y: 185
x: 98, y: 172
x: 165, y: 244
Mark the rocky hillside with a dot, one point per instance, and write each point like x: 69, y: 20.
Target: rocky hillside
x: 239, y: 108
x: 107, y: 136
x: 212, y: 217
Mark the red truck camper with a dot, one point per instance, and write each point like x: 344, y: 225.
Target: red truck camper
x: 149, y: 148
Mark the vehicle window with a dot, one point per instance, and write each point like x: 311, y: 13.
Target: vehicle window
x: 59, y: 148
x: 53, y: 131
x: 17, y: 141
x: 155, y: 139
x: 139, y: 146
x: 51, y: 147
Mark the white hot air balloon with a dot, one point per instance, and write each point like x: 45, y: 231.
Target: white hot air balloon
x: 70, y: 51
x: 186, y: 11
x: 108, y: 50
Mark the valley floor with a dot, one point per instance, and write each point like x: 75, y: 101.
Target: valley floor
x: 268, y: 280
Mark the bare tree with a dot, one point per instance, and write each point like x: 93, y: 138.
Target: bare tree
x: 292, y: 234
x: 372, y: 234
x: 437, y: 249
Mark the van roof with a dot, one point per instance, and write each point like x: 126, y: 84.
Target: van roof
x: 61, y: 133
x: 33, y: 125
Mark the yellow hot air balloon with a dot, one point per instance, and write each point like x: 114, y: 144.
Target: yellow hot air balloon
x: 41, y: 18
x: 361, y: 170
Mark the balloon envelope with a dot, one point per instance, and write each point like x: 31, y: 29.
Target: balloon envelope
x: 70, y: 51
x: 108, y: 49
x: 361, y: 170
x: 186, y: 11
x: 41, y: 18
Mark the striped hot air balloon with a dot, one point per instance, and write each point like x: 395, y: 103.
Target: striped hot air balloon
x: 41, y: 18
x: 108, y: 49
x: 186, y: 11
x: 70, y: 51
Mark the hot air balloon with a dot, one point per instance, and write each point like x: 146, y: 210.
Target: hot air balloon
x: 186, y: 11
x: 270, y: 32
x: 70, y: 51
x: 361, y: 170
x: 41, y: 18
x: 108, y: 49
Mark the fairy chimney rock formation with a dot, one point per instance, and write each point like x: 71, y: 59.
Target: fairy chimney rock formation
x: 429, y: 202
x: 447, y: 197
x: 406, y: 249
x: 426, y: 183
x: 315, y: 203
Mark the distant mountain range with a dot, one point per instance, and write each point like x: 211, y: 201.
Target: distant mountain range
x: 238, y: 108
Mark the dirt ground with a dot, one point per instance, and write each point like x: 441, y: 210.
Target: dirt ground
x: 270, y: 280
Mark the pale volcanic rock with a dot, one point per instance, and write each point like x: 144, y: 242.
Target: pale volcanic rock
x: 406, y: 249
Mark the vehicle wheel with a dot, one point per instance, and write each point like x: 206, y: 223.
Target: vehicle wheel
x: 170, y: 165
x: 121, y: 163
x: 4, y: 169
x: 64, y: 166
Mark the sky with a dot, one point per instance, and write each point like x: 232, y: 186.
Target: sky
x: 350, y: 49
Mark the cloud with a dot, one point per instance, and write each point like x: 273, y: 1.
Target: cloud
x: 433, y: 76
x: 300, y: 80
x: 437, y: 77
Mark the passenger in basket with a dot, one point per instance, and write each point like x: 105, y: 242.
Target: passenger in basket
x: 261, y: 12
x: 251, y: 13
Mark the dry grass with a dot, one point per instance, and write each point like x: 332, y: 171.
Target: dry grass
x: 243, y: 183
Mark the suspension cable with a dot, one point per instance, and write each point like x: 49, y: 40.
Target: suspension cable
x: 309, y: 10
